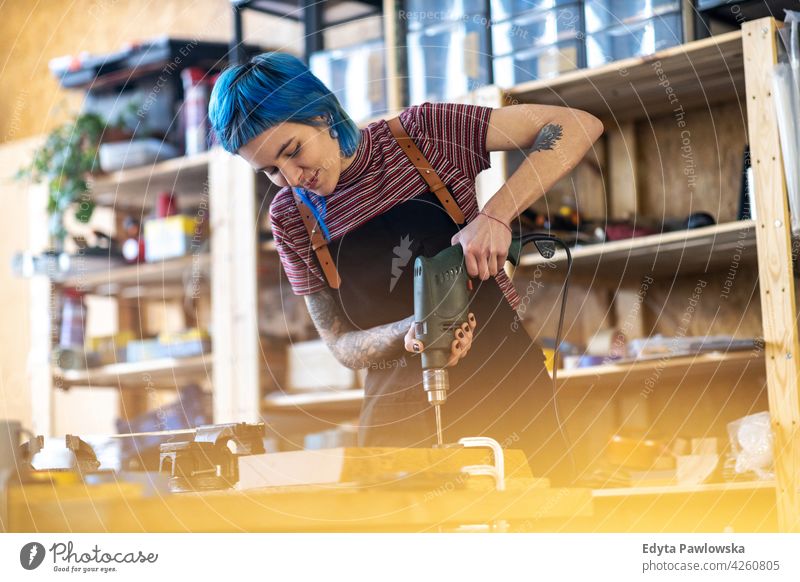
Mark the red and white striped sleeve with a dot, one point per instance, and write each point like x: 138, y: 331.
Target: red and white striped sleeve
x: 459, y: 132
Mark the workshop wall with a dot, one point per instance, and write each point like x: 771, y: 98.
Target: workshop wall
x: 15, y: 400
x: 31, y: 34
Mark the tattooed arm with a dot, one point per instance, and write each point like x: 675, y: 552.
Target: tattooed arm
x: 558, y: 138
x: 354, y: 348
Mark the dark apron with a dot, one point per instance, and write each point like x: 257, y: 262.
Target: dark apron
x: 499, y: 389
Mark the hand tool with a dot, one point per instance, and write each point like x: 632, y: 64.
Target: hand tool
x: 442, y: 290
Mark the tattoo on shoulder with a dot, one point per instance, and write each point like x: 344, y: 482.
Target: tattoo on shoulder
x: 325, y: 312
x: 548, y: 136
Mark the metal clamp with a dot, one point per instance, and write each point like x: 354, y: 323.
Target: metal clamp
x: 497, y: 471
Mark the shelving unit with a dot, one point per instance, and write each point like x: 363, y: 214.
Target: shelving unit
x: 118, y: 279
x: 608, y: 376
x: 135, y: 189
x: 687, y: 251
x: 703, y: 72
x: 169, y: 371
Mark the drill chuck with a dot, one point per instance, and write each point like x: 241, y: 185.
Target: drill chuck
x: 436, y: 382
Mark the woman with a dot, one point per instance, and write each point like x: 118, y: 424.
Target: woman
x: 354, y: 212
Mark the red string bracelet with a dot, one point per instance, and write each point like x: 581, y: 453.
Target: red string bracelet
x: 496, y: 220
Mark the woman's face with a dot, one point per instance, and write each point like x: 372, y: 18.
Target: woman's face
x: 297, y: 155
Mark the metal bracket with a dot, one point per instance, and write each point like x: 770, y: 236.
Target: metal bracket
x: 85, y: 459
x: 208, y: 462
x: 497, y: 471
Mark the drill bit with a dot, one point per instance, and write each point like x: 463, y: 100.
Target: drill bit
x: 438, y: 409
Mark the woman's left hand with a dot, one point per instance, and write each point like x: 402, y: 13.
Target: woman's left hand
x: 485, y: 242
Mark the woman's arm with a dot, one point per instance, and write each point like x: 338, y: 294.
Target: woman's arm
x: 353, y: 348
x: 558, y: 138
x: 356, y: 349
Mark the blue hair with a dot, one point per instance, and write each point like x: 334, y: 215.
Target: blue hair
x: 273, y: 88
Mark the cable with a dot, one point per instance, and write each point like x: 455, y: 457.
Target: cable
x: 541, y: 237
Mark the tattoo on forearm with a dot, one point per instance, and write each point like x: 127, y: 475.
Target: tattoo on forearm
x: 354, y: 348
x: 548, y: 136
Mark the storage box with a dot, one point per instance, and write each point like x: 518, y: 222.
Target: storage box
x: 447, y: 61
x: 642, y: 38
x: 420, y: 14
x: 130, y: 154
x: 356, y: 75
x: 602, y: 14
x: 192, y: 342
x: 312, y: 367
x: 144, y: 350
x: 503, y: 9
x: 538, y: 63
x: 537, y: 28
x: 167, y: 238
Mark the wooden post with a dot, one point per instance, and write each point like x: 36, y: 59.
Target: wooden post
x: 234, y: 311
x: 773, y: 237
x: 394, y: 43
x: 43, y: 306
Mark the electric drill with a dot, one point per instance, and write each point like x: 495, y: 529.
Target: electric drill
x: 442, y: 291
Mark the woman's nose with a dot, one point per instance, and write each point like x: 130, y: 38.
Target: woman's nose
x: 293, y: 176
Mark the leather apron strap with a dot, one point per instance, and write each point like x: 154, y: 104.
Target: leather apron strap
x: 318, y: 242
x: 425, y: 170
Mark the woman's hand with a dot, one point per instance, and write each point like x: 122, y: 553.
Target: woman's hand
x: 459, y: 346
x: 485, y: 241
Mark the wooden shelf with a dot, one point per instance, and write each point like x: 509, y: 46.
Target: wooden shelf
x: 609, y: 375
x: 685, y: 489
x: 677, y: 369
x: 131, y: 279
x: 136, y: 189
x: 686, y: 251
x: 700, y: 73
x: 164, y: 371
x: 342, y: 399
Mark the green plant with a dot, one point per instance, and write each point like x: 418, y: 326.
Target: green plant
x: 64, y: 162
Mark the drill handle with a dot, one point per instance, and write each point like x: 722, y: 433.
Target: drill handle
x: 545, y: 244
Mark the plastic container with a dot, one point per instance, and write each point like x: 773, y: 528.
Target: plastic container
x: 357, y: 76
x: 73, y: 320
x: 420, y: 14
x: 138, y: 152
x: 538, y: 63
x: 642, y: 38
x: 447, y: 61
x: 537, y: 28
x: 602, y: 14
x: 502, y: 9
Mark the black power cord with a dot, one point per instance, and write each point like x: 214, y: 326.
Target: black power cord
x: 545, y: 245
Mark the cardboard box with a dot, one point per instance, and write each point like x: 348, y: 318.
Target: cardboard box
x: 313, y: 367
x: 171, y: 237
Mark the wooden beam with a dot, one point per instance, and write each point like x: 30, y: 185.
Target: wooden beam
x: 776, y: 282
x: 234, y: 309
x: 395, y: 57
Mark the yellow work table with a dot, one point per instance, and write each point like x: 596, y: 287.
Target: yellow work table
x: 448, y: 501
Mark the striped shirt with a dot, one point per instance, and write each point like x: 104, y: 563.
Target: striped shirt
x: 453, y: 139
